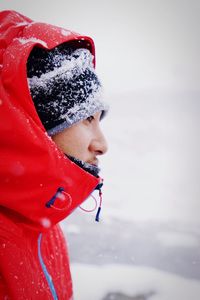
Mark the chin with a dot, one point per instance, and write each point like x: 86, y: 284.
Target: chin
x: 88, y: 167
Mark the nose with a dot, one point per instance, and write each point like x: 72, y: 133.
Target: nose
x: 99, y: 144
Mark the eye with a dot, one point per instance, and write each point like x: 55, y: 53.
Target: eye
x: 90, y: 119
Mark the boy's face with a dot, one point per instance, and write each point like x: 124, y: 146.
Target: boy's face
x: 83, y: 140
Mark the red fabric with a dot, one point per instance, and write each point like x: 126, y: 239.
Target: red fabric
x: 32, y: 169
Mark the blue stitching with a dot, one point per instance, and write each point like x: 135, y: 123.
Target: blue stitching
x: 47, y: 275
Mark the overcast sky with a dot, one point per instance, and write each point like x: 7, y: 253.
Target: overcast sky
x: 143, y: 44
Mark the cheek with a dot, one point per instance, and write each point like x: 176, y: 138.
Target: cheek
x: 75, y: 141
x: 77, y: 144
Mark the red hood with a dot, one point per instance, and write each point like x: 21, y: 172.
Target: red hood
x: 31, y: 167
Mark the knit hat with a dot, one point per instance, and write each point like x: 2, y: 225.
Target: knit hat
x: 64, y: 86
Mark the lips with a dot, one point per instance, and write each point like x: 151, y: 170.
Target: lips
x: 94, y: 162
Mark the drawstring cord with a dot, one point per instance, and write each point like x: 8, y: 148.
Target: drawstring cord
x: 90, y: 210
x: 93, y: 209
x: 99, y: 209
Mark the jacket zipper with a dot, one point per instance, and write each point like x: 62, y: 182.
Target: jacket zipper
x: 44, y: 268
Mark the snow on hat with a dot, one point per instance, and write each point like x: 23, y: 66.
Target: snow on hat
x: 64, y: 86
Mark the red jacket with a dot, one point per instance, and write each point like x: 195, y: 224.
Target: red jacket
x: 39, y: 186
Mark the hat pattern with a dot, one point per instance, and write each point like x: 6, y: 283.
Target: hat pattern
x: 64, y: 86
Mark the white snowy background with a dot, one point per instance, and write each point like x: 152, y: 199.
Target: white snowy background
x: 147, y: 244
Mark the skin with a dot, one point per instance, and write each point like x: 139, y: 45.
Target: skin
x: 83, y: 140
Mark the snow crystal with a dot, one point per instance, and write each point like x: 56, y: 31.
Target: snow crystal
x: 46, y: 223
x: 66, y: 32
x: 61, y: 196
x: 21, y: 24
x: 68, y: 69
x: 32, y: 40
x: 80, y: 111
x: 17, y: 168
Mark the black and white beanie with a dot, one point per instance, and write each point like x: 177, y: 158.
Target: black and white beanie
x: 64, y: 86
